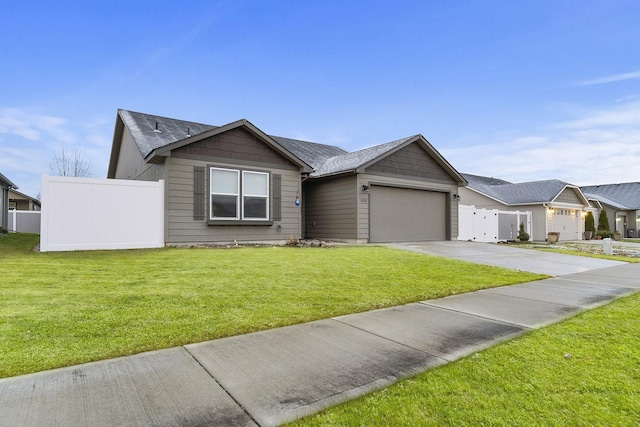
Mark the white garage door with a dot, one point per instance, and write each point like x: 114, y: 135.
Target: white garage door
x: 567, y: 222
x: 406, y: 215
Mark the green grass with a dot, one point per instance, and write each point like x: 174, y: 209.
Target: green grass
x: 60, y: 309
x: 581, y: 372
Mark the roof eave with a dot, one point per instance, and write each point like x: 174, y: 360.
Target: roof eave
x: 333, y: 174
x: 8, y: 182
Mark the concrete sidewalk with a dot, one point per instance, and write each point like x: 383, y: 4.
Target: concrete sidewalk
x: 270, y: 377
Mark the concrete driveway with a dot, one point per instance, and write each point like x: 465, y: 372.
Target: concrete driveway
x: 553, y: 264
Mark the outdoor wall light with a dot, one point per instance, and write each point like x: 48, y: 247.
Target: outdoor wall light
x: 455, y: 196
x: 366, y: 188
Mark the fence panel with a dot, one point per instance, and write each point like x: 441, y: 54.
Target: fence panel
x: 85, y: 213
x: 490, y: 225
x: 24, y: 221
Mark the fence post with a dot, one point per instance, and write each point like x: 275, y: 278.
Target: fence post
x: 14, y: 224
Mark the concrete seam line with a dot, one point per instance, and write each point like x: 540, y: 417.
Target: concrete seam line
x: 390, y: 340
x: 221, y: 386
x: 477, y: 315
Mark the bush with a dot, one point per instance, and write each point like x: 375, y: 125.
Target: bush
x: 522, y: 235
x: 4, y: 230
x: 604, y: 233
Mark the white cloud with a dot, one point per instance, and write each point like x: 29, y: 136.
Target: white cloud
x: 602, y: 147
x: 610, y: 79
x: 29, y: 139
x: 627, y: 114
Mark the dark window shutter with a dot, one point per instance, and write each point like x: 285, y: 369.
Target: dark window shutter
x: 277, y: 198
x: 198, y: 193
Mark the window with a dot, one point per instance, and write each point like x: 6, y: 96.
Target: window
x: 255, y: 195
x: 225, y: 185
x: 239, y: 196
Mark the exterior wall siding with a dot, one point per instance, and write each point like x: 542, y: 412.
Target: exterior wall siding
x: 330, y: 208
x: 235, y: 144
x: 568, y: 196
x: 130, y: 162
x: 469, y: 197
x: 411, y: 161
x: 182, y: 228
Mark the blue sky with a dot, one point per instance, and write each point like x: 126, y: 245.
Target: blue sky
x: 523, y: 90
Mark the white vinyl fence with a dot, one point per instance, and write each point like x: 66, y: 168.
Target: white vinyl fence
x: 491, y: 225
x: 86, y: 213
x: 24, y: 221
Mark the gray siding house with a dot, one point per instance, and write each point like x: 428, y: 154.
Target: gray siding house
x: 556, y: 206
x: 622, y: 202
x: 5, y: 186
x: 399, y: 191
x: 236, y: 183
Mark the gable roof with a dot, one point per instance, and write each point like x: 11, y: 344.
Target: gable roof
x: 156, y: 136
x: 620, y: 196
x: 358, y: 161
x: 524, y: 193
x: 7, y: 182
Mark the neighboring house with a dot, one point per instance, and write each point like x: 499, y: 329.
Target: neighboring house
x: 235, y: 182
x: 622, y: 202
x: 5, y: 186
x: 22, y: 202
x: 555, y: 205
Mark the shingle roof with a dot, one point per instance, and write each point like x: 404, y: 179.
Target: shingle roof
x: 151, y: 132
x: 484, y: 180
x: 523, y: 193
x: 351, y: 161
x: 621, y: 196
x: 311, y: 153
x: 143, y: 129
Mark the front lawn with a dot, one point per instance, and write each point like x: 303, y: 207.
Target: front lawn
x: 60, y: 309
x: 584, y: 371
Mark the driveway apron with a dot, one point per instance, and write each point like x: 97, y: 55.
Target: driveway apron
x: 552, y: 264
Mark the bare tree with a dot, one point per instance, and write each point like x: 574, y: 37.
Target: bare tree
x: 74, y: 163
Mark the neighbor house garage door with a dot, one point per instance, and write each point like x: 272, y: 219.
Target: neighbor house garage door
x: 404, y: 215
x: 567, y: 222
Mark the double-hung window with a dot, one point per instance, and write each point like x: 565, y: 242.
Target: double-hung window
x: 238, y: 195
x: 255, y: 195
x: 225, y: 193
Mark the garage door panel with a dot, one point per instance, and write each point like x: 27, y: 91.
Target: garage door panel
x: 567, y: 223
x: 405, y: 215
